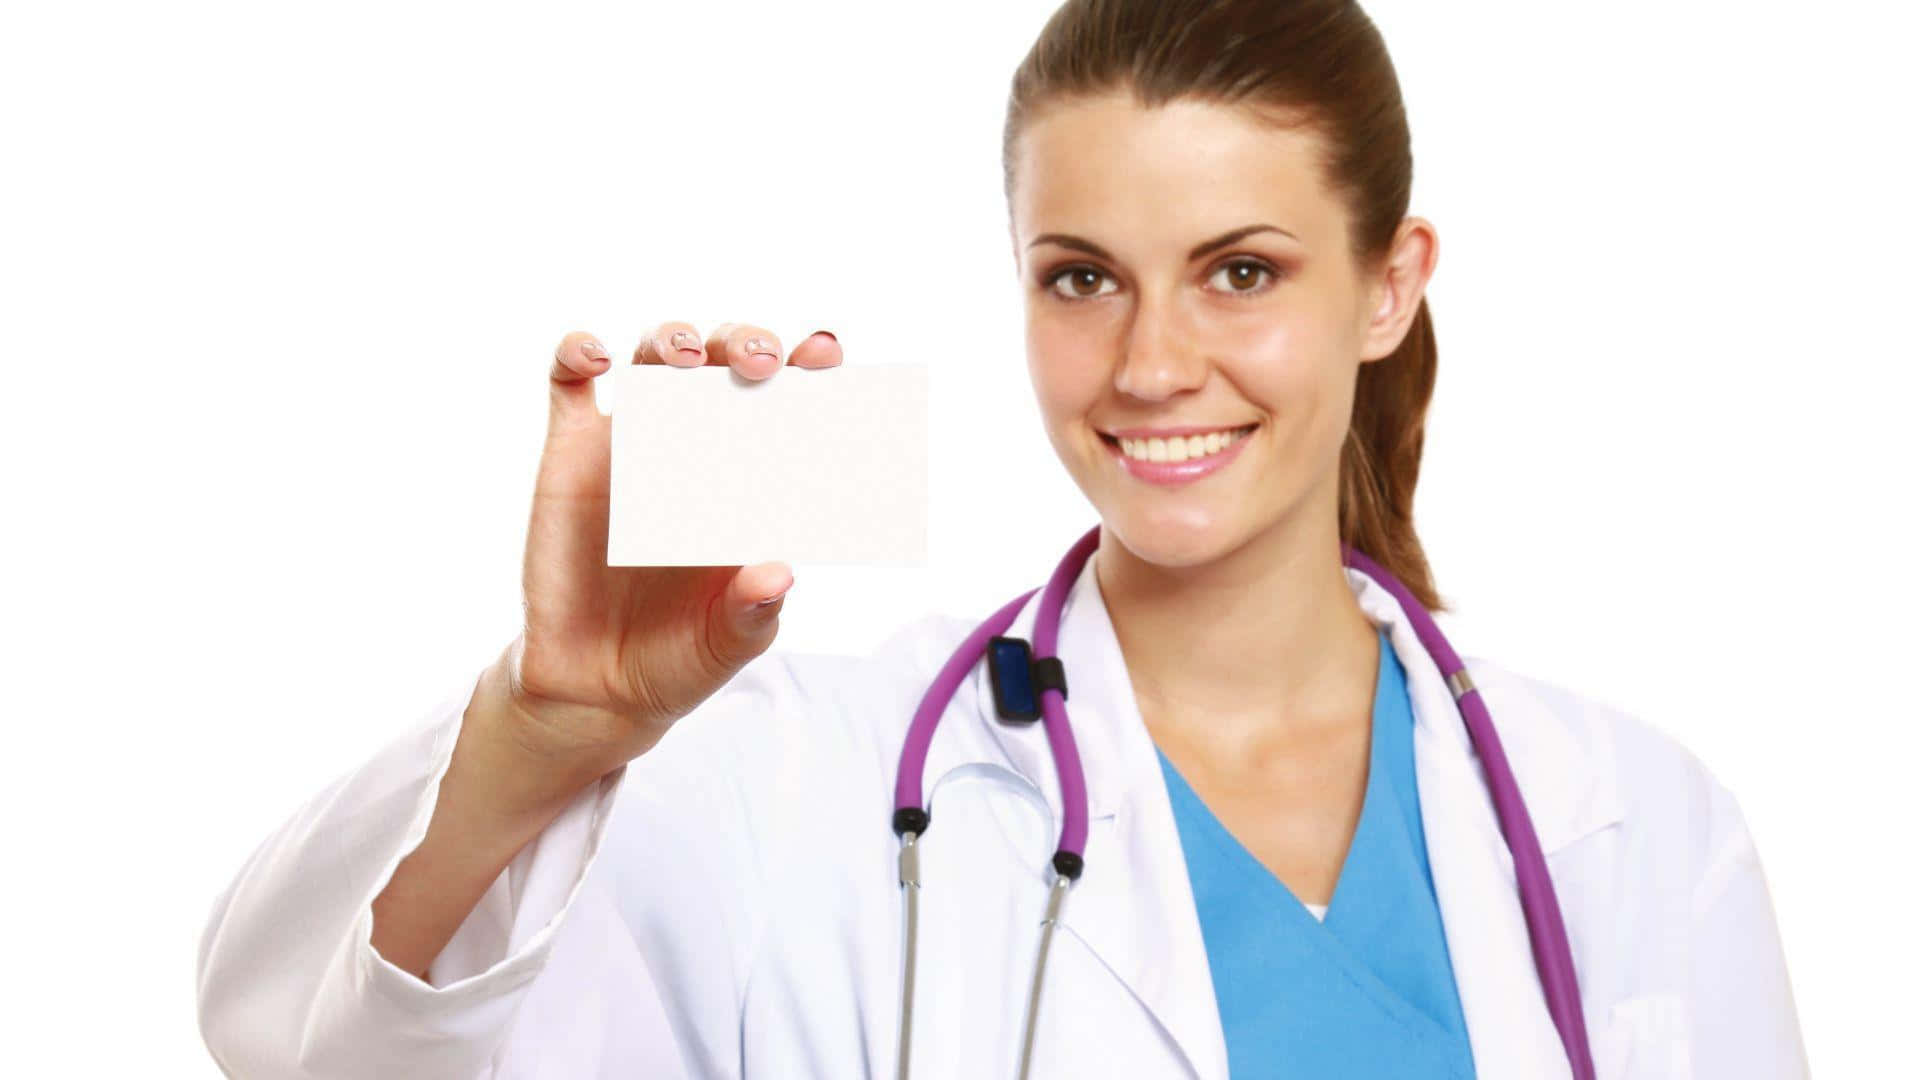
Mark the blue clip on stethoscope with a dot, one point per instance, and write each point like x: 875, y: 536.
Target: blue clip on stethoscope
x: 1022, y: 677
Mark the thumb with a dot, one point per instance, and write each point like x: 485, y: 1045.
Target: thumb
x: 753, y: 600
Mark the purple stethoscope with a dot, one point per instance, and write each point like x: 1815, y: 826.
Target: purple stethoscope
x: 1021, y: 676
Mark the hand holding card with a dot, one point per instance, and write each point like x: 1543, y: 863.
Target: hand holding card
x: 729, y: 462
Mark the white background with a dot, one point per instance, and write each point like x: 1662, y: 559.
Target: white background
x: 281, y: 285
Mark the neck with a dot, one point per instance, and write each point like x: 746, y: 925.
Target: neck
x: 1266, y: 642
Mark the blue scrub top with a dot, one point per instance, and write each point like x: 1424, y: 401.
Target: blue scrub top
x: 1369, y: 992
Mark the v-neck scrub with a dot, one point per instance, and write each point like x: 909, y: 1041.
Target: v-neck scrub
x: 1365, y: 991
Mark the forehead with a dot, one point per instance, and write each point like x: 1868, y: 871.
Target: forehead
x: 1111, y: 167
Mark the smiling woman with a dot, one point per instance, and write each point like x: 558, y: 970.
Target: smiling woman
x: 1293, y: 317
x: 1300, y: 834
x: 1228, y: 335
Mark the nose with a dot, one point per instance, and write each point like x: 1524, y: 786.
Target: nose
x: 1161, y: 354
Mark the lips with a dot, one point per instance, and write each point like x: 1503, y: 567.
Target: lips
x: 1174, y: 473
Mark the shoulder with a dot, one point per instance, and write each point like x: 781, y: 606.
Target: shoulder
x: 1670, y: 804
x: 1666, y: 903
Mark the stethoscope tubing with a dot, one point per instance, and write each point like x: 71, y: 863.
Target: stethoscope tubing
x: 1546, y: 929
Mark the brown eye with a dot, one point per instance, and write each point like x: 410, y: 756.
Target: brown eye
x: 1244, y: 272
x: 1076, y: 276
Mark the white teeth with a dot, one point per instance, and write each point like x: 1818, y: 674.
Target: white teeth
x: 1180, y: 449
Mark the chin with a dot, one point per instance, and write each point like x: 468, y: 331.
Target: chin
x: 1173, y: 537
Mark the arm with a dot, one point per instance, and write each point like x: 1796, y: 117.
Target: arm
x: 1744, y: 1020
x: 615, y: 944
x: 289, y: 984
x: 490, y: 805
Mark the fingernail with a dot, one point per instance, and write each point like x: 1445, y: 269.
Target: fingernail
x: 760, y: 345
x: 825, y: 333
x: 770, y: 600
x: 592, y: 350
x: 683, y: 339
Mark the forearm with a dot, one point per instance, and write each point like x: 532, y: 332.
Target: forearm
x: 492, y: 802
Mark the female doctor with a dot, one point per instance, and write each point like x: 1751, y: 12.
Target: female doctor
x: 1262, y: 828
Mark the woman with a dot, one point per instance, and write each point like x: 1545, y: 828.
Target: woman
x: 1292, y: 866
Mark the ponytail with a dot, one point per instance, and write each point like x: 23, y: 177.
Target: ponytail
x: 1380, y: 462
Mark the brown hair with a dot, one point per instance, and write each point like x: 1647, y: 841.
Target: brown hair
x: 1316, y: 64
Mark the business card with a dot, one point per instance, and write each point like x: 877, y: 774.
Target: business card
x: 811, y: 465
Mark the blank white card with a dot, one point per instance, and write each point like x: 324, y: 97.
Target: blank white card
x: 824, y: 465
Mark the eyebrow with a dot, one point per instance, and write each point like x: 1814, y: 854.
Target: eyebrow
x: 1204, y: 248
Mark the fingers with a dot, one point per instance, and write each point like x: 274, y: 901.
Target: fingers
x: 820, y: 350
x: 753, y: 351
x: 576, y: 360
x: 672, y: 342
x: 579, y: 357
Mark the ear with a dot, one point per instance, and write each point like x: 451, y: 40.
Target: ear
x: 1396, y: 294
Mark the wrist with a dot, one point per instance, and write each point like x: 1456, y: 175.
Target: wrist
x: 523, y: 778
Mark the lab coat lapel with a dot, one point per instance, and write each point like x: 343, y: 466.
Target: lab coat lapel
x: 1511, y: 1032
x: 1133, y: 906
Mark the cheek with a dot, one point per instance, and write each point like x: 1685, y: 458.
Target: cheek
x: 1286, y: 368
x: 1298, y: 373
x: 1066, y: 372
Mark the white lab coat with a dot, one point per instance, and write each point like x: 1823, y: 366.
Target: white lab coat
x: 728, y: 904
